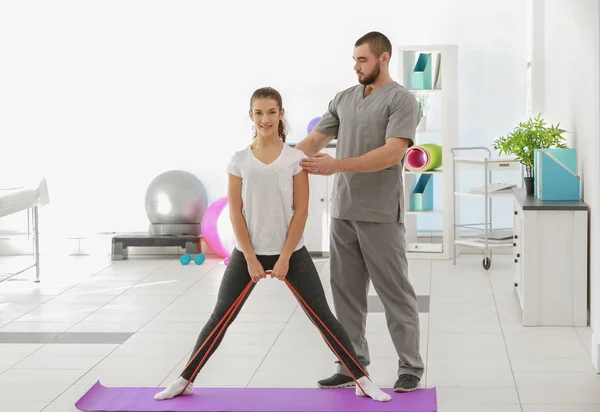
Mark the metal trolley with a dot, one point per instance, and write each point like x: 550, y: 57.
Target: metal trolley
x: 487, y: 165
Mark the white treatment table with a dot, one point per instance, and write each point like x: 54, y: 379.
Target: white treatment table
x: 24, y: 197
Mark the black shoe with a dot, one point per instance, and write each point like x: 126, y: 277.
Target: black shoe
x: 337, y: 381
x: 406, y: 383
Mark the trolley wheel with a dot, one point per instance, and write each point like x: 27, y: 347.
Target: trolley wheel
x: 487, y: 263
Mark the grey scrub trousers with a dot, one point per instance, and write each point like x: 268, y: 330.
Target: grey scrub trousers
x: 367, y: 225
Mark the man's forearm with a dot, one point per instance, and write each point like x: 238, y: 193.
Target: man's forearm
x: 313, y: 143
x: 309, y: 147
x: 373, y: 161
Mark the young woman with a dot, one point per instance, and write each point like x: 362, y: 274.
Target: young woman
x: 268, y: 203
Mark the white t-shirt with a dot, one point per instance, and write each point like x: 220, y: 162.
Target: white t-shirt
x: 268, y: 197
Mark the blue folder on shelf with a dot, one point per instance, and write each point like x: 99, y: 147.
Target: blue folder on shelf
x: 422, y: 197
x: 555, y: 174
x: 421, y: 75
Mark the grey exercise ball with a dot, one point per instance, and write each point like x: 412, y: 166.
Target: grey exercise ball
x: 176, y: 197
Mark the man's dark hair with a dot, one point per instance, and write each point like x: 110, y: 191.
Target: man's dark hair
x: 378, y: 43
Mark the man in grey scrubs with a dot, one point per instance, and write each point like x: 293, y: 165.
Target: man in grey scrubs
x: 374, y: 123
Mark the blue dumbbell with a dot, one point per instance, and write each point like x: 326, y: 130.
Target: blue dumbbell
x: 199, y: 259
x: 185, y: 259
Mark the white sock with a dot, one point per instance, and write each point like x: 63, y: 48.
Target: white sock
x: 372, y: 390
x: 175, y: 389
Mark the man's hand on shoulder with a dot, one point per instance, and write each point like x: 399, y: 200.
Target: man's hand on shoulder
x: 321, y: 164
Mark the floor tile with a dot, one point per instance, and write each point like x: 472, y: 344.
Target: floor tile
x: 61, y: 407
x: 64, y: 338
x: 560, y: 408
x: 23, y: 406
x: 135, y: 323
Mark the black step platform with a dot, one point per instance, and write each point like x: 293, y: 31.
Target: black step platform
x: 191, y: 243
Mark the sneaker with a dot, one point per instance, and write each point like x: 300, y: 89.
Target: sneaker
x: 406, y: 383
x: 337, y: 381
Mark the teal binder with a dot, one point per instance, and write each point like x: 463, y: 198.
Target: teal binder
x: 555, y: 174
x: 422, y: 197
x: 421, y: 75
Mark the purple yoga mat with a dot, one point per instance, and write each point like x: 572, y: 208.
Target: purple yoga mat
x: 102, y: 399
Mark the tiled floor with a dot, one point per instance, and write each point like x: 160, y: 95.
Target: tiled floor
x: 134, y: 323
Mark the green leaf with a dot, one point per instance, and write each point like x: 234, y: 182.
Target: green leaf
x: 528, y: 136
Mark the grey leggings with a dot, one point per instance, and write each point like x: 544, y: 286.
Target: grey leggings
x: 303, y: 277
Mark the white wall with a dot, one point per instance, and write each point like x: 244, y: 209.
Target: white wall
x: 101, y: 97
x: 568, y: 46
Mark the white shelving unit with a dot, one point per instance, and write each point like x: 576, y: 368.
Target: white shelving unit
x: 435, y: 242
x: 488, y: 166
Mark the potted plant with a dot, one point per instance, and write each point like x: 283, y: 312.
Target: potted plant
x: 525, y: 138
x: 423, y: 107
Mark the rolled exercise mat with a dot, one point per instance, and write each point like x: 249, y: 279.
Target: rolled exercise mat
x: 104, y: 399
x: 424, y: 157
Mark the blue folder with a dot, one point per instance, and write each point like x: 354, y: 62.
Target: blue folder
x: 421, y: 75
x: 422, y: 197
x: 555, y: 174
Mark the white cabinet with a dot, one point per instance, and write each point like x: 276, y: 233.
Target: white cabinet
x: 316, y: 232
x: 316, y: 225
x: 550, y: 260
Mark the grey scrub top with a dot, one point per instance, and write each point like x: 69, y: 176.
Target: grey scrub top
x: 362, y: 124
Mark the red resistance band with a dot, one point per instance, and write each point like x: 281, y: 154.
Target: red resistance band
x: 233, y: 309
